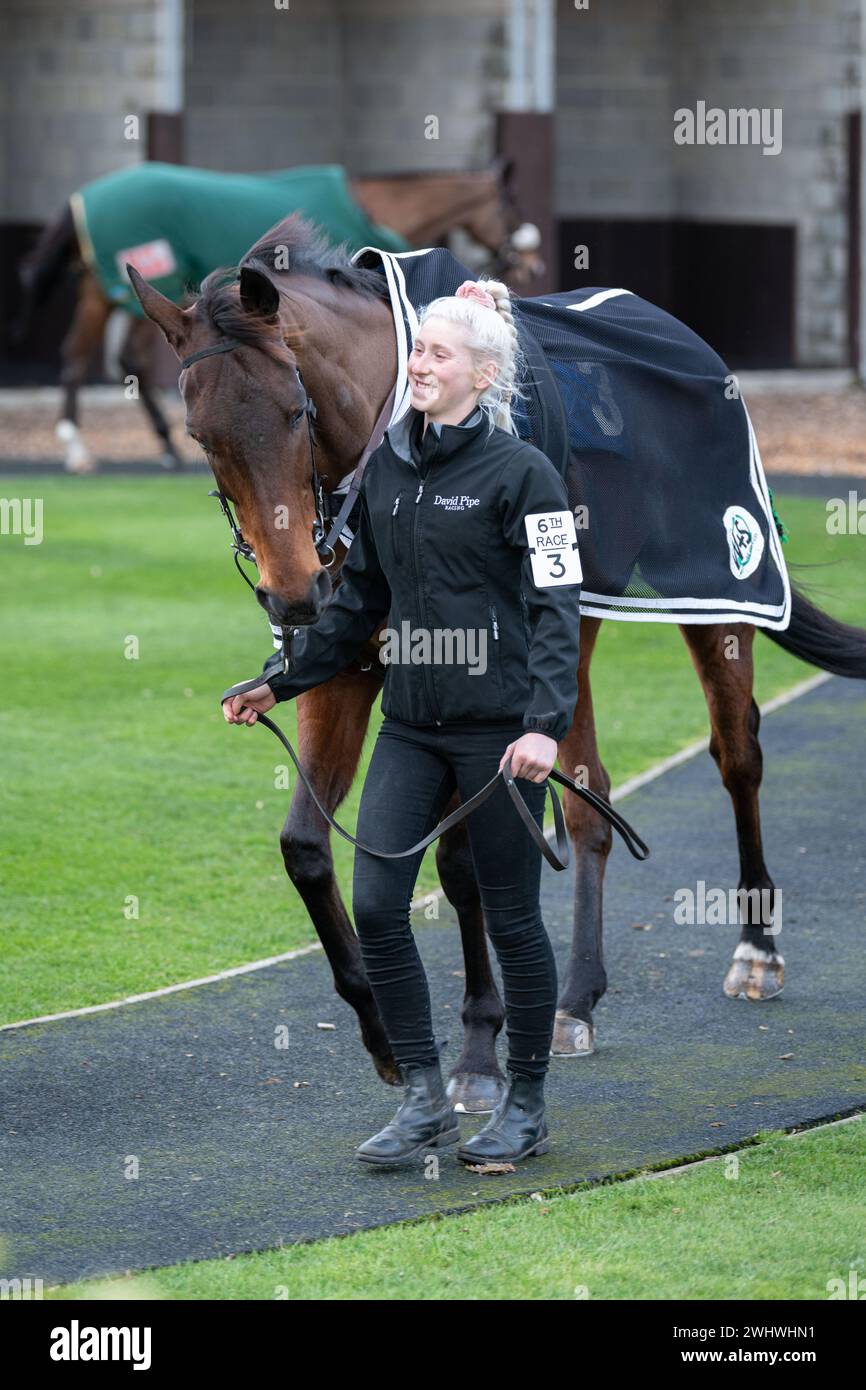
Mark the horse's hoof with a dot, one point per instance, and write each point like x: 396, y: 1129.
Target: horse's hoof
x: 388, y: 1071
x: 78, y: 458
x: 472, y: 1093
x: 755, y: 974
x: 572, y: 1037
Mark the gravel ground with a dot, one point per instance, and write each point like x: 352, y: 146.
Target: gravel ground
x: 112, y: 432
x: 821, y: 433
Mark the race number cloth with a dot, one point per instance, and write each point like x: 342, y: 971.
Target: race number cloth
x: 553, y: 551
x: 646, y: 425
x: 177, y: 224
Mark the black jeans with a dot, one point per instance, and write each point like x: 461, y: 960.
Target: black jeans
x: 413, y: 772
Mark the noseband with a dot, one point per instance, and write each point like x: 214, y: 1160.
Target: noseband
x: 321, y: 539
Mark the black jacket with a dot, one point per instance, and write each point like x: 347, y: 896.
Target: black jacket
x: 441, y: 544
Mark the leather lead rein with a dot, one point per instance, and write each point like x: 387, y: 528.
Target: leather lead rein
x: 557, y: 859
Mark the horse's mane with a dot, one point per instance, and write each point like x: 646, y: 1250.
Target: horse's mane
x: 291, y: 247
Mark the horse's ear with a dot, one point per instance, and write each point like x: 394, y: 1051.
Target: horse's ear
x: 166, y: 315
x: 259, y: 294
x: 503, y: 166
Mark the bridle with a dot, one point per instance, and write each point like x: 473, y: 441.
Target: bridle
x: 322, y: 538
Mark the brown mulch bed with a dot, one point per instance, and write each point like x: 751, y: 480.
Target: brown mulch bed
x: 113, y: 433
x: 811, y: 434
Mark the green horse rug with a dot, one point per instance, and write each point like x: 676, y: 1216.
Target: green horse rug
x: 176, y: 224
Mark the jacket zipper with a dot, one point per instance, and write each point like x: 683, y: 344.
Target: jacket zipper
x: 394, y: 529
x: 495, y: 624
x: 430, y: 692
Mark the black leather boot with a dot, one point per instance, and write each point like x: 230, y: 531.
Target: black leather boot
x: 425, y: 1120
x: 517, y: 1127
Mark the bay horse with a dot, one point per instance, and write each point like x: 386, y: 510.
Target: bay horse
x: 421, y: 207
x: 247, y: 409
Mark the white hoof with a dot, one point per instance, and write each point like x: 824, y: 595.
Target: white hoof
x: 78, y: 458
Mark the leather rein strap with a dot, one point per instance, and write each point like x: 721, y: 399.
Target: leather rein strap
x: 372, y: 444
x: 558, y: 858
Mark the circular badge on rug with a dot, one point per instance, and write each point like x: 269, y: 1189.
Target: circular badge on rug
x: 745, y: 541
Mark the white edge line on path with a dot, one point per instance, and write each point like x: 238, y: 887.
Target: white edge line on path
x: 651, y: 1174
x: 617, y: 794
x: 745, y: 1149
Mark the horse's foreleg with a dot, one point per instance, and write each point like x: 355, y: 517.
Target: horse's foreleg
x: 476, y: 1083
x: 723, y: 659
x: 92, y: 312
x: 137, y: 359
x: 332, y: 723
x: 585, y: 979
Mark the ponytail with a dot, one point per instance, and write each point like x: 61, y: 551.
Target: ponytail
x: 491, y: 333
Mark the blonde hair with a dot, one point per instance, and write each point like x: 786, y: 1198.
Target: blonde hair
x: 489, y: 334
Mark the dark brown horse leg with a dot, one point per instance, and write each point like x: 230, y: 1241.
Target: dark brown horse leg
x: 585, y: 979
x: 137, y: 359
x: 723, y: 660
x: 476, y: 1083
x: 85, y: 333
x: 332, y: 723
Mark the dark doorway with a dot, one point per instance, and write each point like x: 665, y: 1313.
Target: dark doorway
x: 733, y: 284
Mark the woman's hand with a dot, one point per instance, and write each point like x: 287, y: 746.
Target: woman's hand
x: 532, y: 756
x: 245, y: 709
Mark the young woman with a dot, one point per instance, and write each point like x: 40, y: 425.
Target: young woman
x: 452, y: 506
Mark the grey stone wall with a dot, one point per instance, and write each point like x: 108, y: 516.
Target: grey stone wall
x: 70, y: 73
x: 263, y: 86
x: 625, y: 67
x: 804, y: 58
x: 403, y: 63
x: 614, y: 65
x: 344, y: 81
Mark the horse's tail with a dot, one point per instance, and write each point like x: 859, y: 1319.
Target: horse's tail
x: 40, y: 269
x: 814, y: 636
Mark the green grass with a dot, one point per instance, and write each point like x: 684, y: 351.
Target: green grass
x: 121, y: 780
x: 790, y: 1220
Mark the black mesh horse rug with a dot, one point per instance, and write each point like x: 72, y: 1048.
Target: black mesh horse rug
x: 648, y: 428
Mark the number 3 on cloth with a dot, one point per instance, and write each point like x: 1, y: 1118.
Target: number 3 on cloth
x: 553, y: 548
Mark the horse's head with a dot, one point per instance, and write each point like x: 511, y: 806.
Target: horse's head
x: 496, y: 223
x: 271, y: 343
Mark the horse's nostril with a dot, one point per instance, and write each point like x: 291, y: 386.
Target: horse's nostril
x: 277, y: 609
x: 321, y: 588
x: 302, y: 612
